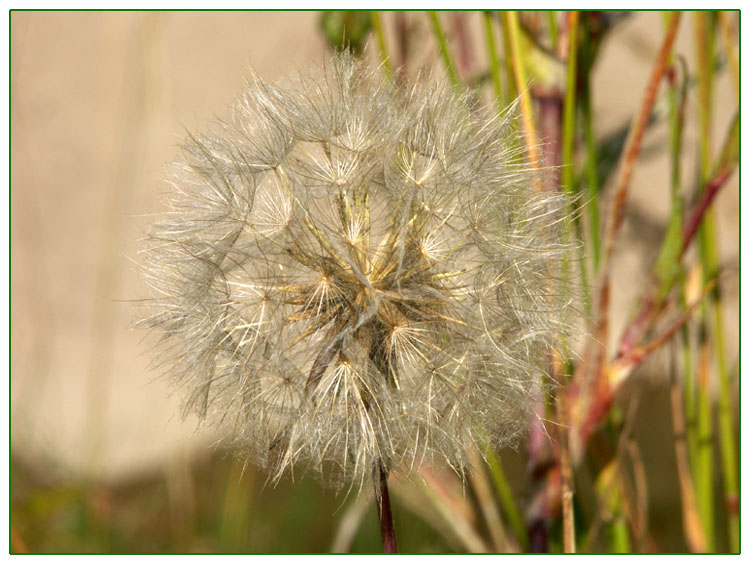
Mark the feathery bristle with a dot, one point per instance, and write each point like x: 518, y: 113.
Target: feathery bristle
x: 353, y: 274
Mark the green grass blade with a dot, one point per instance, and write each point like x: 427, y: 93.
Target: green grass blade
x: 592, y: 176
x: 704, y: 470
x: 377, y: 26
x: 552, y: 27
x: 512, y: 87
x: 492, y: 56
x: 450, y: 68
x: 515, y: 519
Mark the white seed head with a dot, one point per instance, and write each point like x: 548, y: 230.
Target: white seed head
x: 353, y: 274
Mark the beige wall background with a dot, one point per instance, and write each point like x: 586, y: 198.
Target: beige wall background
x: 99, y: 103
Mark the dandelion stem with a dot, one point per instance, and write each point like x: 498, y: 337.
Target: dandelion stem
x: 385, y: 517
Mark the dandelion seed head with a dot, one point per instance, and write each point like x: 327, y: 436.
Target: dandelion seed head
x: 352, y: 274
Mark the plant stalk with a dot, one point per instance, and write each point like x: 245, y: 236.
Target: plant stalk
x: 512, y: 88
x: 492, y: 54
x: 708, y: 253
x: 385, y: 517
x: 519, y: 72
x: 592, y: 179
x: 553, y: 28
x: 382, y: 49
x: 450, y: 68
x: 502, y: 487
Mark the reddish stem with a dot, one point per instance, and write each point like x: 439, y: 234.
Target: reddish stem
x: 651, y: 306
x: 702, y: 205
x: 385, y: 517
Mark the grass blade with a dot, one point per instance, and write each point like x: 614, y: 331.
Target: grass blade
x: 450, y: 68
x: 377, y: 26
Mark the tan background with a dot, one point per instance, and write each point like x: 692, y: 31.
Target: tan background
x: 99, y: 102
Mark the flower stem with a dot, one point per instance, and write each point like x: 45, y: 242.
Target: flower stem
x: 385, y: 517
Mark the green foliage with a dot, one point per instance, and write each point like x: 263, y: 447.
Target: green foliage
x: 346, y: 29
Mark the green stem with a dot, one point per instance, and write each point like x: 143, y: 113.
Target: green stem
x: 726, y: 434
x: 691, y: 402
x: 704, y: 474
x: 450, y: 68
x: 592, y: 176
x: 519, y: 71
x: 553, y: 30
x: 709, y: 252
x: 620, y: 535
x: 492, y: 55
x: 382, y: 50
x: 512, y: 87
x: 704, y: 469
x: 569, y: 107
x: 676, y: 98
x: 515, y: 519
x: 568, y: 143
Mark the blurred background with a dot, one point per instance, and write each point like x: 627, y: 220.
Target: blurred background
x: 101, y: 460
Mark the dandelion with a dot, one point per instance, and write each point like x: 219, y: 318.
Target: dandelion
x: 355, y: 277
